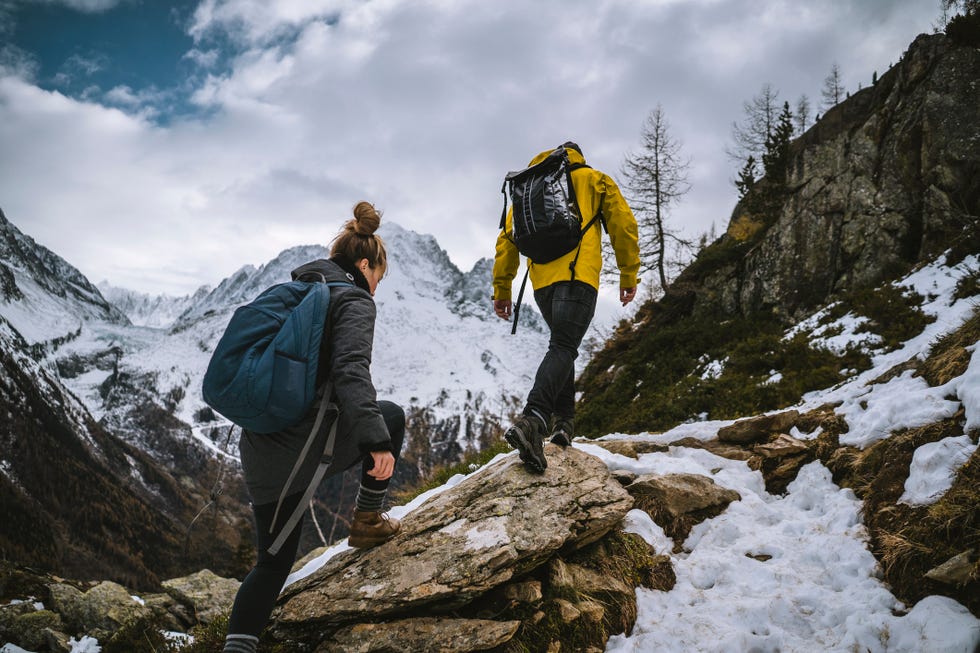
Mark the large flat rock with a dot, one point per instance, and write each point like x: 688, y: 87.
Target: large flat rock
x: 496, y: 525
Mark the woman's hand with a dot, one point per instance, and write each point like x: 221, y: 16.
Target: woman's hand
x: 384, y: 465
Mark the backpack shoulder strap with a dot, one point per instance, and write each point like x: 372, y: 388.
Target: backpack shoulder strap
x: 326, y: 458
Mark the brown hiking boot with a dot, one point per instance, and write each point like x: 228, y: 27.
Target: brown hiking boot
x: 371, y: 529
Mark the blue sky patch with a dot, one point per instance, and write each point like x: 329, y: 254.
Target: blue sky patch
x: 142, y: 46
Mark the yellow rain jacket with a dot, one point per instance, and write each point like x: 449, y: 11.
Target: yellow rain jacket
x: 594, y: 190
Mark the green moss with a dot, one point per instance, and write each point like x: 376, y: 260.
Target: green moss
x: 659, y: 384
x: 968, y: 286
x: 139, y: 637
x: 720, y: 254
x: 893, y: 313
x: 623, y: 556
x: 208, y: 638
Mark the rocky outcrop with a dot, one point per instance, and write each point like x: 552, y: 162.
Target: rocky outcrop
x: 496, y: 526
x: 886, y: 179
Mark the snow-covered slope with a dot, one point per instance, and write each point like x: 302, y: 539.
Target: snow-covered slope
x: 42, y: 296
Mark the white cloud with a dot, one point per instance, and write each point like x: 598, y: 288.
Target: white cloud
x: 418, y: 106
x: 203, y: 58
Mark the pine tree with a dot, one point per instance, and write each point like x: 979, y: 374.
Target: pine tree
x: 746, y: 178
x: 776, y: 158
x: 656, y: 178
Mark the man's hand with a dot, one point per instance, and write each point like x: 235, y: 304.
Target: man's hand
x: 626, y: 295
x: 502, y: 307
x: 384, y: 465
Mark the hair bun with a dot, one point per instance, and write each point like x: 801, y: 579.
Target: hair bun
x: 366, y: 220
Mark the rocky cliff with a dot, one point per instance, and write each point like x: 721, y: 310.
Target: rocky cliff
x: 888, y: 178
x: 883, y: 183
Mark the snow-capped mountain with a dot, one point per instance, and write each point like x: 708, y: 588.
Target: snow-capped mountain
x: 144, y: 309
x: 439, y: 350
x: 438, y: 347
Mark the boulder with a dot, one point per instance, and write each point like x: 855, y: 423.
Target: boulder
x: 169, y: 612
x: 101, y: 610
x: 722, y: 449
x: 207, y: 593
x: 495, y: 526
x: 527, y: 592
x: 30, y: 629
x: 784, y: 445
x: 757, y: 429
x: 630, y: 448
x: 567, y: 578
x: 624, y: 477
x: 679, y: 501
x: 957, y: 571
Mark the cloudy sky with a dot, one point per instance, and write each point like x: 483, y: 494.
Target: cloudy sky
x: 161, y: 146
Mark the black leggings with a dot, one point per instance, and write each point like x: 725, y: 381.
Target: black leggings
x: 258, y: 593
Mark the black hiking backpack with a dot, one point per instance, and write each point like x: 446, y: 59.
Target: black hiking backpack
x: 547, y: 222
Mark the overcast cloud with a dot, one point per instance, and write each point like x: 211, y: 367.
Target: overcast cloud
x: 418, y: 106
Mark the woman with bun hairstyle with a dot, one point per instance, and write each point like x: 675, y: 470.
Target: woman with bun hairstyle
x: 369, y: 431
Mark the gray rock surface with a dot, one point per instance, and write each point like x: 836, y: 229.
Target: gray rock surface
x: 207, y: 593
x: 494, y: 526
x: 421, y: 635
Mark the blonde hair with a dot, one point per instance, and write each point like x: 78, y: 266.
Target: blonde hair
x: 357, y: 241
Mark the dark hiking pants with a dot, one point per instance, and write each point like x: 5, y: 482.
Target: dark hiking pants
x: 260, y: 589
x: 567, y: 307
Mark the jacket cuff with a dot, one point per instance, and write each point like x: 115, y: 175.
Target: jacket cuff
x: 375, y: 439
x: 628, y: 281
x: 501, y: 293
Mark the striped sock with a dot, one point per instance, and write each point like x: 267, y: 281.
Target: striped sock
x: 369, y: 500
x: 240, y: 644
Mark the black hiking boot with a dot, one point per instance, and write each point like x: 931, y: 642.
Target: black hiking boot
x: 562, y: 431
x: 525, y: 436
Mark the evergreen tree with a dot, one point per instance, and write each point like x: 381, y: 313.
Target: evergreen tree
x: 746, y: 178
x: 776, y: 158
x: 656, y: 178
x: 833, y: 88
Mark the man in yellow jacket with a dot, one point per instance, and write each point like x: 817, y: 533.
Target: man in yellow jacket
x: 567, y: 300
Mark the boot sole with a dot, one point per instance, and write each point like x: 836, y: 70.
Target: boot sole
x: 517, y: 440
x: 367, y: 542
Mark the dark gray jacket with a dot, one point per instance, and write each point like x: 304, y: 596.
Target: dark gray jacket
x: 345, y: 360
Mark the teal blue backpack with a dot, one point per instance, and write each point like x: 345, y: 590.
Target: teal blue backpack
x: 262, y: 375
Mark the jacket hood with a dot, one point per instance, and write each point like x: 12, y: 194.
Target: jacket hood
x: 574, y: 156
x: 331, y: 271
